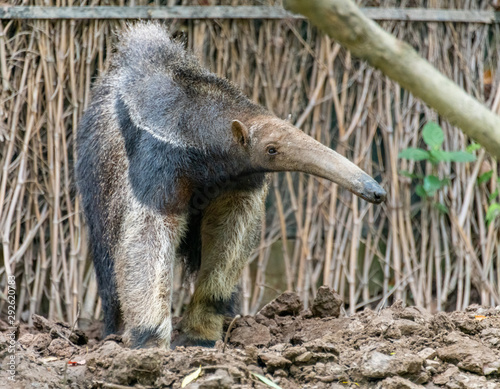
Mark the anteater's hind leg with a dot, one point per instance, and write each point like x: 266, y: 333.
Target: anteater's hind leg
x: 145, y: 263
x: 106, y: 281
x: 230, y: 231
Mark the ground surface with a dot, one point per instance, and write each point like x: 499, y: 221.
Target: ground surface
x: 396, y: 348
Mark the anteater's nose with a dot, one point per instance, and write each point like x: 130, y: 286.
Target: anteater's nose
x: 374, y: 193
x: 379, y: 195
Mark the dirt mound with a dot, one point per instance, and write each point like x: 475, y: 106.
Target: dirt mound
x: 319, y: 348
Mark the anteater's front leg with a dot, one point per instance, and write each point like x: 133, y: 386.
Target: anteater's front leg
x: 145, y: 262
x: 230, y: 231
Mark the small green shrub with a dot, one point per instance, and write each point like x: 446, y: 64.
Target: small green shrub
x: 429, y: 185
x: 494, y: 199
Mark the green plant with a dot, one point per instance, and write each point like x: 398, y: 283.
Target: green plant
x: 494, y: 198
x: 433, y: 137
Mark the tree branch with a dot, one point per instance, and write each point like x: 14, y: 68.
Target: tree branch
x: 343, y: 21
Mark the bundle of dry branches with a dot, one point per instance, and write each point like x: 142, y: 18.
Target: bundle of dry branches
x: 314, y: 233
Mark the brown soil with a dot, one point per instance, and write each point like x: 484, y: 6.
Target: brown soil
x: 319, y: 348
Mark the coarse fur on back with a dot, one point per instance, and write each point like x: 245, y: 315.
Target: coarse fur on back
x: 148, y: 63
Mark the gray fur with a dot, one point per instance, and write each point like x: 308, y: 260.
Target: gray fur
x: 156, y: 102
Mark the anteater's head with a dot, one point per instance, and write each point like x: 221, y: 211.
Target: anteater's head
x: 274, y: 145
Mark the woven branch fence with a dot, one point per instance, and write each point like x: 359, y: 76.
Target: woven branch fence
x: 315, y: 233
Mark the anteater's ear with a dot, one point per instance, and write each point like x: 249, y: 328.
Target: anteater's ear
x: 240, y: 132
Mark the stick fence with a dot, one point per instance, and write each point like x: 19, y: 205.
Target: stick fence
x: 315, y: 233
x: 235, y: 12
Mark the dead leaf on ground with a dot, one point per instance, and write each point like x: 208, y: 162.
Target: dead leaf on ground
x: 265, y: 380
x: 48, y: 359
x: 191, y: 377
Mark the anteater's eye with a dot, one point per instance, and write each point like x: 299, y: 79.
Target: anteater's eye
x: 272, y: 151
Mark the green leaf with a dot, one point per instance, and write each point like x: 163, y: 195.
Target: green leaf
x: 493, y: 212
x: 485, y: 177
x: 437, y: 156
x: 414, y: 154
x: 461, y: 156
x: 433, y: 135
x: 432, y: 184
x: 441, y: 208
x: 473, y: 147
x: 419, y: 190
x: 493, y: 195
x: 265, y: 380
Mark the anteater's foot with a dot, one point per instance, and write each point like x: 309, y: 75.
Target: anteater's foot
x: 184, y: 340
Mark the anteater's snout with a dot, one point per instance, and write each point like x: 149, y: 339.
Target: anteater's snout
x: 379, y: 195
x: 374, y: 193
